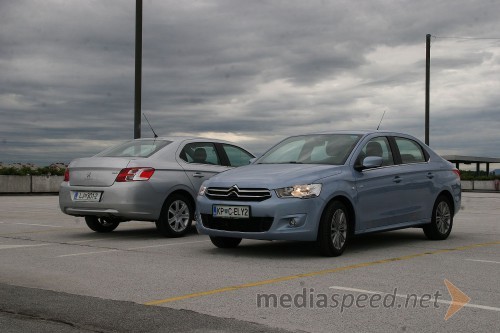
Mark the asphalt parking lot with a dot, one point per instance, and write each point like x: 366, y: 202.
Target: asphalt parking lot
x: 54, y: 269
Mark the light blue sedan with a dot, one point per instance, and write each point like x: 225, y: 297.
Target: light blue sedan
x: 327, y: 187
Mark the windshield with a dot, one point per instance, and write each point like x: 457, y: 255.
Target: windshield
x: 135, y: 148
x: 312, y: 149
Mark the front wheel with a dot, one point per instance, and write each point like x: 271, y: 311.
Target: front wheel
x: 225, y: 242
x: 334, y: 230
x: 442, y: 220
x: 176, y: 216
x: 101, y: 224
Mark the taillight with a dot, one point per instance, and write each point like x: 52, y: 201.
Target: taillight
x: 66, y: 175
x: 456, y: 172
x: 134, y: 174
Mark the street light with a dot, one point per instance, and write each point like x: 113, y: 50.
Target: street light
x: 138, y: 69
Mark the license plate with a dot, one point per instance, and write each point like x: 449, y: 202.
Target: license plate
x: 231, y: 212
x: 86, y: 196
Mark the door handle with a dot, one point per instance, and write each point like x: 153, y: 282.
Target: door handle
x: 198, y: 175
x: 430, y: 175
x: 397, y: 179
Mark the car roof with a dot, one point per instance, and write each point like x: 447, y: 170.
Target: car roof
x: 184, y: 138
x: 358, y: 132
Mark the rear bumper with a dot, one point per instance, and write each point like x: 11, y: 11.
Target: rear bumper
x: 457, y: 196
x: 126, y: 201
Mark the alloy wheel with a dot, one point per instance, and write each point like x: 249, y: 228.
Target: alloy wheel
x: 443, y: 217
x: 339, y: 229
x: 178, y: 215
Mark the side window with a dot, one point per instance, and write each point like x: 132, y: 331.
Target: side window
x: 378, y: 147
x: 200, y: 152
x: 237, y: 156
x: 410, y: 151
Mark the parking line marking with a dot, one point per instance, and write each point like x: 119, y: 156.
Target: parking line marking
x: 36, y: 231
x: 33, y: 224
x: 128, y: 249
x: 168, y: 244
x: 40, y: 225
x: 362, y: 291
x: 313, y: 274
x: 85, y: 253
x: 88, y: 240
x: 5, y: 247
x: 488, y: 261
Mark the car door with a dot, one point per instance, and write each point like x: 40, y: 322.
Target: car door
x: 200, y: 161
x: 379, y: 190
x: 419, y: 179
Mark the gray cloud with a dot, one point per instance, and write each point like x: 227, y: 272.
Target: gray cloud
x: 254, y: 70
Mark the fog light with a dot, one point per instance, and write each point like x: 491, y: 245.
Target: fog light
x: 293, y: 222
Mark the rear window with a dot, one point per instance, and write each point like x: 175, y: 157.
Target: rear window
x: 135, y: 148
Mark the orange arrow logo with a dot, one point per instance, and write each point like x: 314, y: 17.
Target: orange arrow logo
x: 458, y: 299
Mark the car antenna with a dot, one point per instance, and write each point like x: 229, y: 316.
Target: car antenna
x: 150, y: 125
x: 381, y: 120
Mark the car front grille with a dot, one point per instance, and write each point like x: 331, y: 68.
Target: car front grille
x: 234, y: 193
x: 254, y: 224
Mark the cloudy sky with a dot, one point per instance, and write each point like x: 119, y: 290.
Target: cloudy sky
x: 252, y: 72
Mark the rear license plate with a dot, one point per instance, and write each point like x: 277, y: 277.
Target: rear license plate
x: 86, y: 196
x: 231, y: 212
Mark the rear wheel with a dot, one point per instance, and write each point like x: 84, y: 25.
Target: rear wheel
x: 176, y: 216
x: 334, y: 230
x: 101, y: 224
x: 225, y: 242
x: 442, y: 220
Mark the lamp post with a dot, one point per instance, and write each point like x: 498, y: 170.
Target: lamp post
x: 138, y: 69
x: 427, y: 85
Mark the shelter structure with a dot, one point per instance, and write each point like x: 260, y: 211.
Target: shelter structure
x: 458, y: 159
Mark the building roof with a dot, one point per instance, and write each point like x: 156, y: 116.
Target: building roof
x: 470, y: 159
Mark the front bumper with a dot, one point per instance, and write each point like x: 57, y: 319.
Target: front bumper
x: 271, y: 219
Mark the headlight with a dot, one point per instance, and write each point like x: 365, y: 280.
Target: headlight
x: 202, y: 190
x: 299, y: 191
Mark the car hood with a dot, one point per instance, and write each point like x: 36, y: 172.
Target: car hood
x: 273, y: 175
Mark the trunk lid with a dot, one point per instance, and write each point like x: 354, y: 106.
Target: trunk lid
x: 96, y: 171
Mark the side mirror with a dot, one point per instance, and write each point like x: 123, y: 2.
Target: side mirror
x: 370, y: 162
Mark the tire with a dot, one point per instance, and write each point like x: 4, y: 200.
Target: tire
x: 101, y: 224
x: 176, y: 216
x: 225, y: 242
x: 335, y: 230
x: 441, y: 221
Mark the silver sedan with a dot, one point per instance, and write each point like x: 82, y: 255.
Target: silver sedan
x: 146, y: 180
